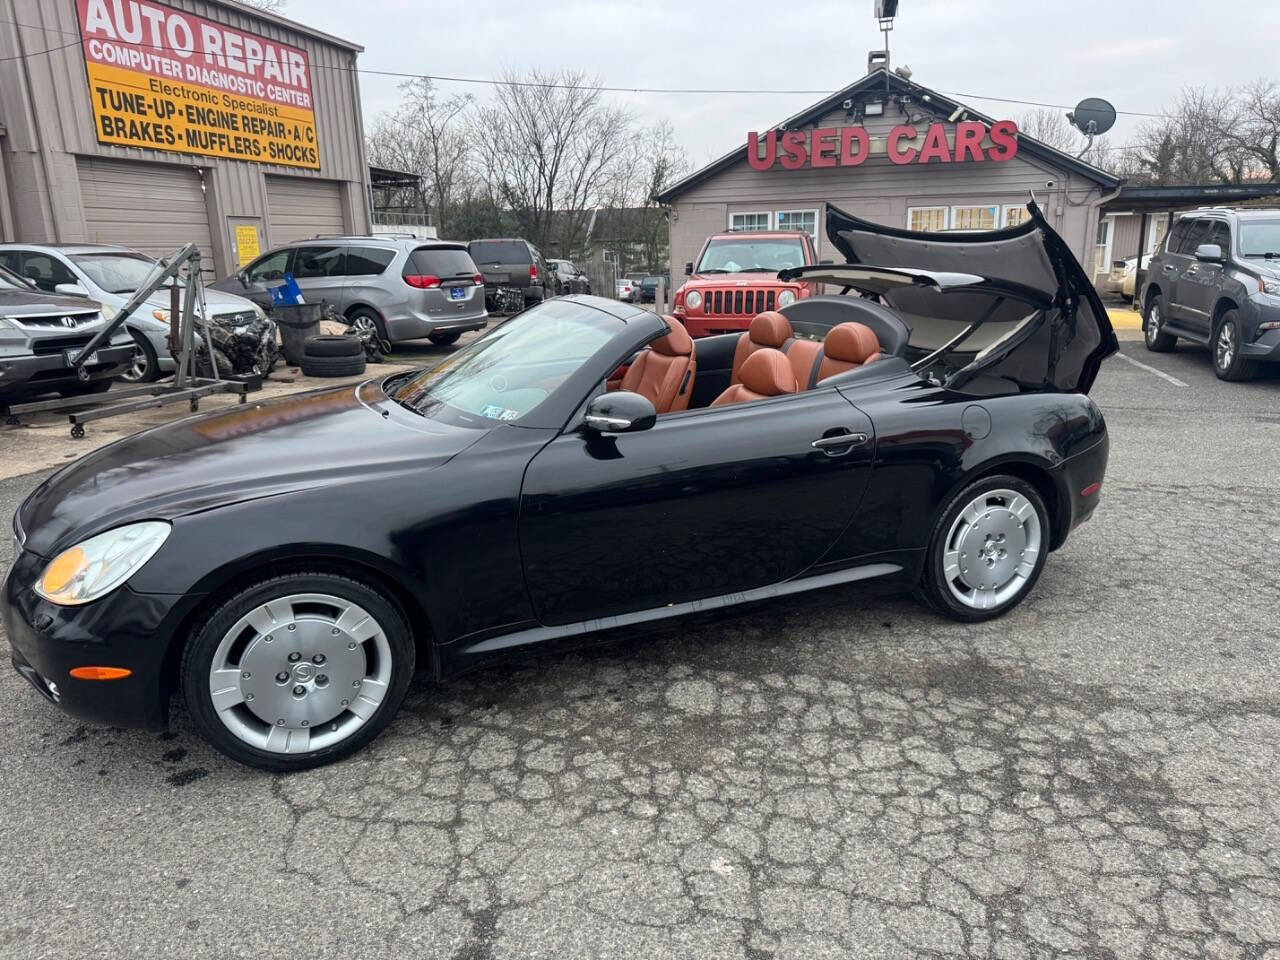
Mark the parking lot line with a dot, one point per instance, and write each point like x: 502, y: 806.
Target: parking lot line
x: 1159, y: 373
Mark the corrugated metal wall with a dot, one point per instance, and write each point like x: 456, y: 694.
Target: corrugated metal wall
x: 883, y: 191
x: 44, y: 102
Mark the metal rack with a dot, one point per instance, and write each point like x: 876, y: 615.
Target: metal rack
x: 186, y: 385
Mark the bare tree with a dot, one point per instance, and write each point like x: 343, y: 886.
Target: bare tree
x: 427, y: 136
x: 1258, y: 126
x: 550, y: 150
x: 1201, y: 138
x: 1051, y: 127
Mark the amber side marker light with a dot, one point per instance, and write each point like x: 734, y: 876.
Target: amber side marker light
x: 1090, y: 490
x: 100, y: 673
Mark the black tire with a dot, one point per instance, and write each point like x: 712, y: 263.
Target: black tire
x: 86, y: 389
x: 146, y: 363
x: 357, y: 316
x: 332, y: 345
x: 444, y: 339
x: 1225, y: 346
x: 333, y: 366
x: 934, y: 586
x: 1153, y: 334
x: 197, y: 660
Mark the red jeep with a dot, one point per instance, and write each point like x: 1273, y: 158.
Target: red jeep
x: 735, y: 277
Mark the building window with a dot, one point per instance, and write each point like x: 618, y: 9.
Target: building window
x: 806, y: 220
x: 1015, y: 214
x: 750, y: 221
x: 927, y: 218
x: 974, y: 218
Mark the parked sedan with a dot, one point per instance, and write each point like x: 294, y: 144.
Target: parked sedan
x: 282, y: 567
x: 111, y: 275
x: 568, y: 278
x: 627, y: 290
x: 40, y: 335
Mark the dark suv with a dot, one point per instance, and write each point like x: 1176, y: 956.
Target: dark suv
x: 1216, y: 280
x: 513, y: 263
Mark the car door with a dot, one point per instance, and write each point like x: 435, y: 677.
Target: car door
x: 47, y: 272
x: 1185, y: 275
x: 320, y: 270
x: 705, y: 503
x: 1201, y: 281
x: 267, y: 271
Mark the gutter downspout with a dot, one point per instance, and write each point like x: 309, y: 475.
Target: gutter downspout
x: 6, y: 213
x: 1102, y: 202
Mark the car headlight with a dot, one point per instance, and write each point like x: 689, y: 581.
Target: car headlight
x: 97, y: 566
x: 109, y: 313
x: 693, y: 300
x: 1269, y: 286
x: 786, y: 298
x: 259, y: 312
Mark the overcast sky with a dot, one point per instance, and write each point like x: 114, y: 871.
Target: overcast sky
x: 1135, y: 54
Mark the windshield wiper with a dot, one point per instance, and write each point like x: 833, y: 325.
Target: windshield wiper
x: 757, y: 270
x: 713, y: 270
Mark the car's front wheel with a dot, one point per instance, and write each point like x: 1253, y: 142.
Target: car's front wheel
x: 145, y: 366
x: 1153, y: 328
x: 297, y: 670
x: 1227, y: 362
x: 987, y: 549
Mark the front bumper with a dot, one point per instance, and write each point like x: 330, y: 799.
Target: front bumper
x: 49, y: 371
x: 1266, y: 348
x: 123, y: 629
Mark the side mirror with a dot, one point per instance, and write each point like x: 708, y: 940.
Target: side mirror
x: 1209, y: 253
x: 71, y: 290
x: 243, y: 277
x: 688, y: 268
x: 620, y: 412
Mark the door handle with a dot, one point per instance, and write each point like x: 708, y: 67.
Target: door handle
x: 1169, y: 268
x: 839, y: 443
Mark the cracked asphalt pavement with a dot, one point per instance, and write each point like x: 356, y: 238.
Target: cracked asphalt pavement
x: 841, y: 774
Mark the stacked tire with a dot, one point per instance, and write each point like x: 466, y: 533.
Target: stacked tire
x: 332, y: 355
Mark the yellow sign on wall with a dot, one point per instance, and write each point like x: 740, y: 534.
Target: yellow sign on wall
x: 169, y: 80
x: 247, y: 248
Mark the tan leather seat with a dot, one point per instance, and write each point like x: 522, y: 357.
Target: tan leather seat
x: 768, y: 330
x: 766, y: 373
x: 847, y: 347
x: 664, y: 370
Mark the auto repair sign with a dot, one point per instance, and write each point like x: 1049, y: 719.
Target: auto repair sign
x: 164, y: 79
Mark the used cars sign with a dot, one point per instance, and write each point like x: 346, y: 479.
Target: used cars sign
x: 164, y: 79
x: 850, y: 146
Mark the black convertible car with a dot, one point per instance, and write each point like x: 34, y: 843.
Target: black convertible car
x: 586, y: 465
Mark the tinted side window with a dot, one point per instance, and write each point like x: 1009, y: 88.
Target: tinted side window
x: 368, y: 261
x: 1219, y: 234
x: 1175, y: 237
x: 440, y: 262
x: 9, y: 260
x: 312, y: 262
x: 270, y: 268
x: 1196, y: 232
x: 46, y: 272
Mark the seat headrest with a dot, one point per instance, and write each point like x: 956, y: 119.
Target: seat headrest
x: 768, y: 372
x: 850, y: 343
x: 770, y: 329
x: 676, y: 343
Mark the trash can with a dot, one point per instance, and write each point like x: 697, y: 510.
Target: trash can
x: 297, y: 322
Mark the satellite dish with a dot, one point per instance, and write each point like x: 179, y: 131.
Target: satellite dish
x: 1093, y: 116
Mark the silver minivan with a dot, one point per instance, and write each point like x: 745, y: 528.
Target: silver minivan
x: 402, y: 288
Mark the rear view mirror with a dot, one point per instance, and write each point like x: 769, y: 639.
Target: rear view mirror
x: 1209, y: 253
x: 688, y: 268
x: 71, y: 290
x: 620, y: 412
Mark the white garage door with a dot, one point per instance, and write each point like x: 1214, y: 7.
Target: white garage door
x: 152, y: 207
x: 301, y: 208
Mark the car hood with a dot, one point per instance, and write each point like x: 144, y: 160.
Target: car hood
x: 735, y: 280
x: 1268, y: 268
x: 1061, y: 348
x: 340, y: 435
x: 21, y: 303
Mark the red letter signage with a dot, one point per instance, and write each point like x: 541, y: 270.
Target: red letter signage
x: 823, y: 147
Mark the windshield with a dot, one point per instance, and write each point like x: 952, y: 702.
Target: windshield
x: 116, y: 272
x: 1260, y: 238
x: 744, y: 255
x: 11, y: 281
x: 499, y: 251
x: 506, y: 374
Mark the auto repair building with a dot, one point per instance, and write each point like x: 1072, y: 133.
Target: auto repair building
x: 155, y: 124
x: 895, y: 152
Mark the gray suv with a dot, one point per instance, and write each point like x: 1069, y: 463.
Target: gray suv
x: 402, y: 288
x: 1216, y: 280
x: 514, y: 264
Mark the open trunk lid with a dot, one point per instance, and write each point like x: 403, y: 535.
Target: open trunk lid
x: 1067, y: 333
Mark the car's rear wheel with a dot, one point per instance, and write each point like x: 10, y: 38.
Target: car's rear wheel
x: 1227, y: 362
x: 1153, y: 328
x: 444, y: 339
x: 145, y: 366
x: 362, y: 319
x: 987, y: 549
x: 297, y: 670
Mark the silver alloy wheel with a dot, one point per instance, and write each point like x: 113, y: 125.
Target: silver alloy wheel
x: 1226, y: 346
x: 300, y: 673
x: 365, y: 324
x: 138, y: 366
x: 1153, y: 323
x: 992, y: 549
